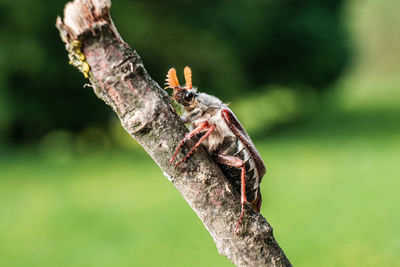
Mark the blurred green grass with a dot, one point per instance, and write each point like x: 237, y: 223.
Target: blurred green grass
x: 331, y: 194
x: 101, y: 211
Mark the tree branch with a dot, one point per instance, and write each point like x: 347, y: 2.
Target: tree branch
x: 119, y: 78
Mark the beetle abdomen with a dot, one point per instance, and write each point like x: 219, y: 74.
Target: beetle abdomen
x: 233, y: 147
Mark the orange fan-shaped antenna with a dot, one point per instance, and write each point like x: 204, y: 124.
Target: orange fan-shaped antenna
x: 188, y: 77
x: 172, y: 81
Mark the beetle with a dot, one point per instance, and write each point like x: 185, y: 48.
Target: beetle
x: 223, y: 137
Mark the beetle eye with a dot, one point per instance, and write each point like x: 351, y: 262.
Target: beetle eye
x: 188, y: 96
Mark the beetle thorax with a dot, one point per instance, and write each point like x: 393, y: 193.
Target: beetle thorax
x: 220, y: 133
x: 208, y: 108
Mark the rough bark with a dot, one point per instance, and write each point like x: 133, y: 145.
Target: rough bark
x: 119, y: 78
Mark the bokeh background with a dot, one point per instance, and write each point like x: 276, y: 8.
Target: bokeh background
x: 315, y: 83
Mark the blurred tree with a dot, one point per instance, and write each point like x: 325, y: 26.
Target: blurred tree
x: 231, y: 46
x: 41, y: 91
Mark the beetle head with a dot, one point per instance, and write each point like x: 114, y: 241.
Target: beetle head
x: 186, y: 95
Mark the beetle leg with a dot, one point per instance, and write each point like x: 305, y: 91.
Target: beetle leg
x: 238, y: 163
x: 187, y: 137
x: 209, y: 131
